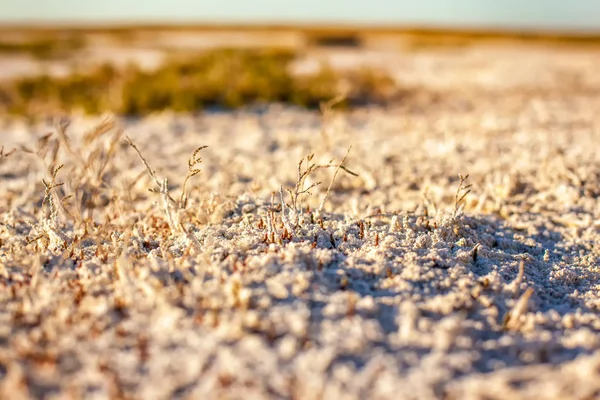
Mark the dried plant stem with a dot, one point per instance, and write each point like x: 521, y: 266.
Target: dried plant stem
x: 49, y: 224
x: 148, y: 168
x: 163, y: 189
x: 327, y: 113
x: 4, y: 155
x: 461, y: 192
x: 511, y: 320
x: 48, y: 197
x: 61, y: 127
x: 284, y: 212
x: 333, y: 180
x: 303, y: 174
x: 516, y: 284
x: 192, y: 171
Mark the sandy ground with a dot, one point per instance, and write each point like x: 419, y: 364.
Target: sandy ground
x: 396, y: 289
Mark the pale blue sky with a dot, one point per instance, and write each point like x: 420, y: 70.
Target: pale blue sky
x: 551, y: 14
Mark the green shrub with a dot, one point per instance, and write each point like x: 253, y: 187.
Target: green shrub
x: 220, y: 78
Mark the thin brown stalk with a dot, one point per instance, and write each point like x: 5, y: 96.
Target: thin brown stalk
x: 340, y: 165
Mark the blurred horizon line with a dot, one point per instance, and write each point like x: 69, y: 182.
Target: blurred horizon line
x: 277, y: 25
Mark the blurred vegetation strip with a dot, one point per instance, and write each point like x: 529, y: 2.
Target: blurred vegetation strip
x: 44, y: 48
x: 218, y: 78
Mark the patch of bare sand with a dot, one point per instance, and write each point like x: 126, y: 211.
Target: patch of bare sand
x: 395, y: 290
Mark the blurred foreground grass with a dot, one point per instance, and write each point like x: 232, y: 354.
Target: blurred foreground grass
x: 224, y: 78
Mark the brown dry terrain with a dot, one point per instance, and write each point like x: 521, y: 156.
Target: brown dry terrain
x: 27, y: 50
x: 398, y: 277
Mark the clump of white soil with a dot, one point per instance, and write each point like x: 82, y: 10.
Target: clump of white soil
x: 454, y: 257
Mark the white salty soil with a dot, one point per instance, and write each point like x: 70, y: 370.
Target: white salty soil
x: 391, y: 292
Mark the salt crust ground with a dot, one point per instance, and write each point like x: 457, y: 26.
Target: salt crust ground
x: 389, y: 293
